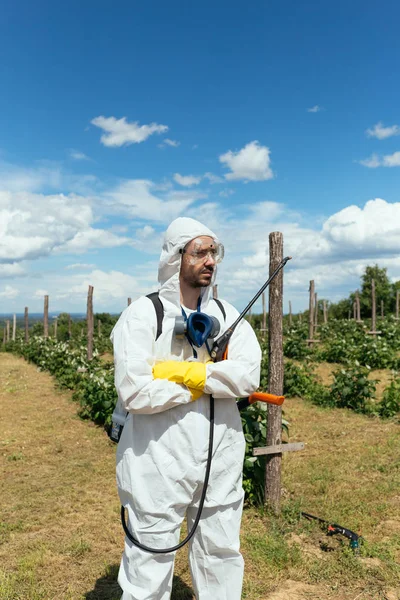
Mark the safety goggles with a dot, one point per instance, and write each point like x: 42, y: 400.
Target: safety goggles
x: 203, y: 254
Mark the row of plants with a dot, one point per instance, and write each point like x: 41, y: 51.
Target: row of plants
x: 347, y: 342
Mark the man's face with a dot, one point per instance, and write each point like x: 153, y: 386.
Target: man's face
x: 198, y: 262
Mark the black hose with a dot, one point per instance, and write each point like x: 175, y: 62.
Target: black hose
x: 203, y: 496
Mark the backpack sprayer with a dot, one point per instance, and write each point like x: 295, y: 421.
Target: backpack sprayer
x: 219, y: 352
x: 335, y: 529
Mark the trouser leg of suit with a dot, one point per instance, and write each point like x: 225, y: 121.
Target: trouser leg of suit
x: 143, y: 575
x: 216, y: 563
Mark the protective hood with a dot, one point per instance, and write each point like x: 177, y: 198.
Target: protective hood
x: 180, y: 232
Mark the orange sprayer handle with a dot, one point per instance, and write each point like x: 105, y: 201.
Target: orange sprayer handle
x: 264, y: 397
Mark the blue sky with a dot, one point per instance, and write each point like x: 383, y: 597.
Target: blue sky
x: 253, y: 117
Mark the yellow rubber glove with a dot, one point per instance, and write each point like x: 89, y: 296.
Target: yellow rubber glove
x: 191, y: 374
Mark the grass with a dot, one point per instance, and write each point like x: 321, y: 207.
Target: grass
x: 60, y: 535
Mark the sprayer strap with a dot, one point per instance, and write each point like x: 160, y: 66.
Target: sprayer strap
x: 221, y: 307
x: 159, y: 308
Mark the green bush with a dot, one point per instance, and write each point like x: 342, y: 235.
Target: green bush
x: 351, y: 388
x: 390, y: 404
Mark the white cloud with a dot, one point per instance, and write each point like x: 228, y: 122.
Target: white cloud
x: 315, y: 109
x: 41, y: 293
x: 213, y: 178
x: 9, y: 292
x: 38, y: 225
x: 388, y: 160
x: 119, y: 132
x: 11, y: 270
x: 391, y: 160
x: 187, y: 180
x: 251, y: 163
x: 226, y: 193
x: 372, y: 162
x: 76, y: 155
x: 173, y: 143
x: 135, y: 198
x: 381, y: 132
x: 80, y: 266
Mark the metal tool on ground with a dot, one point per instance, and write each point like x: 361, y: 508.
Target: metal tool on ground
x: 335, y: 529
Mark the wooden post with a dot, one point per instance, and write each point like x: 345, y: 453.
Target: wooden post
x: 382, y: 310
x: 311, y: 313
x: 397, y: 304
x: 14, y: 330
x: 290, y: 313
x: 46, y: 317
x: 275, y: 373
x: 98, y: 327
x: 89, y: 321
x: 325, y: 312
x: 26, y: 317
x: 129, y: 301
x: 373, y: 316
x: 4, y: 335
x: 69, y: 327
x: 55, y: 327
x: 215, y: 291
x: 264, y: 321
x: 358, y: 309
x: 7, y: 330
x: 316, y: 311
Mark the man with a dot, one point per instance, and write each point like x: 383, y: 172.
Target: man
x: 162, y: 452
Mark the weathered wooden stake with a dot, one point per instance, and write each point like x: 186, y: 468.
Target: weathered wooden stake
x: 316, y: 311
x: 46, y: 317
x: 4, y: 335
x: 55, y: 327
x: 26, y: 318
x: 290, y: 313
x: 382, y: 310
x: 215, y: 291
x: 129, y: 301
x: 373, y: 316
x: 264, y: 321
x: 14, y: 330
x: 311, y: 314
x: 325, y: 312
x: 358, y: 309
x: 99, y: 327
x: 275, y: 373
x: 7, y: 330
x: 89, y: 321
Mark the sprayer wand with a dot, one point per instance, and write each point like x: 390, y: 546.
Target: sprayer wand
x: 219, y: 349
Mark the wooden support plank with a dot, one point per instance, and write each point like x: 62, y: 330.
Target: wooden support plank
x: 278, y: 449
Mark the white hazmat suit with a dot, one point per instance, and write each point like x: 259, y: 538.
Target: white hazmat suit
x: 162, y: 453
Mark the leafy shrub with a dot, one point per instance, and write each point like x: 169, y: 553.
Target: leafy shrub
x: 97, y: 395
x: 351, y: 388
x: 390, y: 404
x: 296, y: 347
